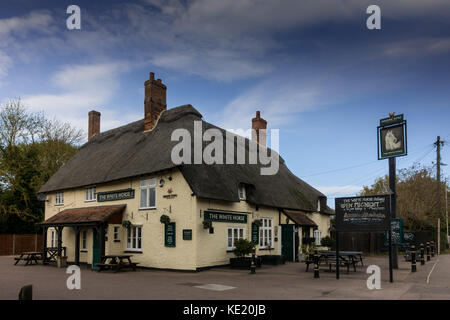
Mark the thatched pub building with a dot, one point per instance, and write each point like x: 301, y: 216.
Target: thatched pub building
x: 113, y: 195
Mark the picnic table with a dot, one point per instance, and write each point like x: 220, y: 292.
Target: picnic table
x: 116, y: 263
x: 346, y: 259
x: 29, y: 257
x: 352, y: 257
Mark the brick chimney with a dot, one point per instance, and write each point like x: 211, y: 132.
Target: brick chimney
x: 94, y: 124
x: 155, y: 101
x: 259, y: 126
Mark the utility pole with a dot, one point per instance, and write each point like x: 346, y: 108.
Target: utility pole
x: 446, y: 211
x: 438, y: 144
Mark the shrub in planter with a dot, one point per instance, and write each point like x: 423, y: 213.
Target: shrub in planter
x: 327, y: 242
x: 242, y: 249
x: 164, y: 219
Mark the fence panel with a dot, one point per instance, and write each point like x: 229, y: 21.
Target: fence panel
x: 13, y: 244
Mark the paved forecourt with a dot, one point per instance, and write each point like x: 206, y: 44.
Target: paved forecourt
x: 289, y: 281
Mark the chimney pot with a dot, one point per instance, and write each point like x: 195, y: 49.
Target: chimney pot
x: 259, y: 126
x: 154, y: 102
x: 94, y: 124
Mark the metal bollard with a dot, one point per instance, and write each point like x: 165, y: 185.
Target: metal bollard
x: 428, y: 251
x: 26, y: 293
x: 432, y: 249
x: 253, y: 265
x: 413, y: 259
x: 316, y: 265
x: 422, y: 254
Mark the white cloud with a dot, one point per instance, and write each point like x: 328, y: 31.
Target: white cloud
x: 417, y: 47
x: 82, y: 88
x: 39, y: 21
x: 339, y: 191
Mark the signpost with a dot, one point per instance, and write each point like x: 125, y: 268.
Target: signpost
x: 366, y: 214
x: 392, y: 143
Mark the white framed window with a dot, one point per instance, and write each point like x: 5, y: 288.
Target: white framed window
x: 148, y: 194
x: 318, y: 237
x: 318, y: 205
x: 266, y: 233
x: 241, y: 192
x: 59, y: 198
x: 116, y: 234
x: 83, y: 240
x: 90, y: 194
x: 53, y: 238
x: 234, y: 234
x: 134, y: 238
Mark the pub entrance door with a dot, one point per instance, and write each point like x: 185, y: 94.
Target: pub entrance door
x: 289, y: 242
x: 95, y: 248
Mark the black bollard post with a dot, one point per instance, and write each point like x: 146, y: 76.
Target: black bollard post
x: 428, y: 251
x: 432, y: 249
x: 26, y: 293
x: 253, y: 265
x: 316, y: 265
x: 422, y: 254
x: 413, y: 259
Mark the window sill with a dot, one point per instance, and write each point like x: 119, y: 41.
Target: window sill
x: 83, y: 250
x: 154, y: 208
x: 116, y: 240
x: 59, y: 204
x: 266, y: 249
x: 133, y: 251
x: 90, y: 200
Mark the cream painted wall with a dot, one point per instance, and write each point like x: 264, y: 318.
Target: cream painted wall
x: 186, y: 210
x: 154, y: 253
x: 212, y: 248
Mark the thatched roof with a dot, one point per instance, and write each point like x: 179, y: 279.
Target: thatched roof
x: 128, y: 151
x: 89, y: 215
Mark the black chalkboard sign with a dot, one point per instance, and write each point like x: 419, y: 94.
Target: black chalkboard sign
x: 397, y: 232
x: 169, y: 234
x: 255, y: 233
x: 369, y: 213
x: 187, y: 234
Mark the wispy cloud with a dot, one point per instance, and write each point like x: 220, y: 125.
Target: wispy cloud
x: 79, y: 89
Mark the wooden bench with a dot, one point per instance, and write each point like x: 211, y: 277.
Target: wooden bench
x: 29, y: 258
x: 116, y: 263
x: 331, y: 261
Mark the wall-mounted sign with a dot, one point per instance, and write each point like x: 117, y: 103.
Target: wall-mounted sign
x: 115, y: 195
x: 169, y: 234
x: 397, y: 232
x: 392, y: 139
x: 255, y: 233
x: 225, y: 217
x: 187, y: 234
x: 370, y: 213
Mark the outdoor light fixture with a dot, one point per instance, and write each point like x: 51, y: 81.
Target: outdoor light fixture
x: 161, y: 183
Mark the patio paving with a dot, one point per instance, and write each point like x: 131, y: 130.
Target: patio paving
x: 289, y: 281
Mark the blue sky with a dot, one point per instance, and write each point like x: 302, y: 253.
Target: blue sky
x: 312, y: 67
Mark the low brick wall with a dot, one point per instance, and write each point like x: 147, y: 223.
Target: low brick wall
x: 13, y: 244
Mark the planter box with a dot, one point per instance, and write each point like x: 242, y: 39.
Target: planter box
x: 244, y: 263
x: 61, y: 262
x: 272, y: 259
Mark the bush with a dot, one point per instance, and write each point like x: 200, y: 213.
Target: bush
x: 327, y: 241
x: 243, y: 247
